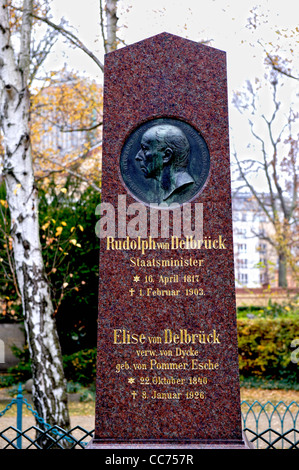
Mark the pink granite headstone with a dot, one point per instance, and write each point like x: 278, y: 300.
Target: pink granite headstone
x: 167, y: 371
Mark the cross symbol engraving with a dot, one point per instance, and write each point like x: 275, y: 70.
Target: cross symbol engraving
x: 134, y: 395
x: 131, y: 291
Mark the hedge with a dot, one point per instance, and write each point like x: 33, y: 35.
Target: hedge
x: 265, y: 347
x: 81, y: 366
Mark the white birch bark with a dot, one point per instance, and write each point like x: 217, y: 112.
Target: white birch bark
x: 111, y: 18
x: 49, y: 390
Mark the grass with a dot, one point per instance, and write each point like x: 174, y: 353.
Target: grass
x: 82, y: 408
x: 81, y: 400
x: 75, y: 409
x: 263, y: 395
x: 268, y: 383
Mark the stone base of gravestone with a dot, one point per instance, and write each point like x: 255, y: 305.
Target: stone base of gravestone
x: 243, y: 444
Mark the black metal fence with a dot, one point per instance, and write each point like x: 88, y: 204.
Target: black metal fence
x: 271, y: 425
x: 268, y: 426
x: 52, y: 438
x: 272, y: 439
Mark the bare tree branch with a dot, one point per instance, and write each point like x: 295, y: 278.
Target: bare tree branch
x: 72, y: 38
x: 41, y: 51
x: 274, y: 143
x: 73, y: 173
x: 270, y: 60
x: 62, y: 128
x: 280, y: 203
x: 266, y: 170
x: 253, y: 191
x: 279, y: 69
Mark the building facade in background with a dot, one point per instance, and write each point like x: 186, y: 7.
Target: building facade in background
x: 256, y: 261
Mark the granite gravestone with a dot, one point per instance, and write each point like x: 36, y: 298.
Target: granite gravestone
x: 167, y: 371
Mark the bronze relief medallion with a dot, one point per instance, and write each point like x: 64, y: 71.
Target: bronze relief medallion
x: 164, y: 161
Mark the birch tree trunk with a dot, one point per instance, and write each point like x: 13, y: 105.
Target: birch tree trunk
x: 110, y: 40
x: 111, y: 8
x: 49, y: 387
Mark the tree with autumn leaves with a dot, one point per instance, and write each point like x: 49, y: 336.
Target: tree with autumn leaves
x: 273, y: 121
x: 24, y: 149
x: 49, y: 387
x: 66, y: 138
x: 66, y: 129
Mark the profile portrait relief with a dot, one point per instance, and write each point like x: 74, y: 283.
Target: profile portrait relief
x: 164, y: 157
x: 164, y: 161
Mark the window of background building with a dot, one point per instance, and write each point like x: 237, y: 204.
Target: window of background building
x: 243, y: 278
x: 262, y: 248
x: 242, y: 247
x: 242, y: 263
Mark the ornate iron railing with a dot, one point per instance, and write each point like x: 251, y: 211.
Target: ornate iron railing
x: 265, y: 422
x: 53, y: 437
x: 272, y: 439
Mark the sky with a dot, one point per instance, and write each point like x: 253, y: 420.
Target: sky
x: 225, y: 23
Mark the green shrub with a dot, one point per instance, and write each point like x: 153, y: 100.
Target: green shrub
x: 265, y: 347
x: 22, y: 371
x: 87, y: 393
x: 268, y: 383
x: 271, y: 310
x: 74, y: 280
x: 71, y: 256
x: 81, y: 366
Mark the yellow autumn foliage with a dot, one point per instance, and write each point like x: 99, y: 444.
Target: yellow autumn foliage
x: 15, y: 12
x: 66, y: 129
